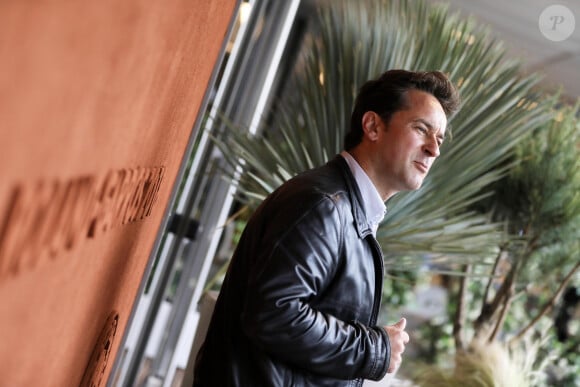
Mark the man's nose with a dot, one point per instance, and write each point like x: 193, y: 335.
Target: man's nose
x: 431, y: 147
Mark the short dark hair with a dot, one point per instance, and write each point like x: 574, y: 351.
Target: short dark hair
x: 387, y: 95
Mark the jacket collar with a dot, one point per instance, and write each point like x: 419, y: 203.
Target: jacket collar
x: 360, y: 218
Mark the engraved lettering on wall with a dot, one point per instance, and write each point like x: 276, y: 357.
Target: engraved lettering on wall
x: 47, y: 217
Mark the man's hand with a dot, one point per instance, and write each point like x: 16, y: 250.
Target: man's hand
x: 398, y: 338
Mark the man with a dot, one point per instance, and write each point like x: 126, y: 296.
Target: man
x: 300, y: 301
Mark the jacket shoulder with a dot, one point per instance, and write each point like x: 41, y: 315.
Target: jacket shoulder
x: 308, y: 189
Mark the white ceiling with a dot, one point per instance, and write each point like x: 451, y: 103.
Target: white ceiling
x: 516, y: 22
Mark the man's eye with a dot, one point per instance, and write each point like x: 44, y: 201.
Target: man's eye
x: 421, y: 129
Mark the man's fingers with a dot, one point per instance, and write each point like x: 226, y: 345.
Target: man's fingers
x: 405, y: 337
x: 401, y: 324
x: 398, y: 338
x: 396, y: 361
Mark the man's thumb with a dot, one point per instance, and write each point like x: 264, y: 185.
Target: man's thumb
x: 401, y: 324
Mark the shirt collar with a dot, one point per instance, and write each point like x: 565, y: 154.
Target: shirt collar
x: 374, y: 207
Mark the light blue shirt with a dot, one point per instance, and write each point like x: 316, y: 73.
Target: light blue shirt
x: 374, y: 207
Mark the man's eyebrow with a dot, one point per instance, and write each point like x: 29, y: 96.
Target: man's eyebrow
x: 424, y: 122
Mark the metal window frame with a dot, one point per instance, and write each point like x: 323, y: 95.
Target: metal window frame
x: 193, y: 227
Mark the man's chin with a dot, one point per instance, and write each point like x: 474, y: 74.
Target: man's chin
x: 411, y: 185
x: 415, y: 185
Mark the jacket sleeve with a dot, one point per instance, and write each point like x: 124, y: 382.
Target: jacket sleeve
x: 279, y: 318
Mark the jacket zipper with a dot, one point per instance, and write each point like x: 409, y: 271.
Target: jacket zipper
x: 379, y: 274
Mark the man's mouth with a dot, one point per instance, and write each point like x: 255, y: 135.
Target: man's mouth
x: 422, y: 166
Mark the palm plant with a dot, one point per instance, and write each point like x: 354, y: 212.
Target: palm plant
x: 358, y: 40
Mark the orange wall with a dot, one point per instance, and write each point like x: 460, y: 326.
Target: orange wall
x: 97, y: 103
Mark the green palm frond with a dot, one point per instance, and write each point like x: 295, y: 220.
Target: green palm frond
x: 358, y: 40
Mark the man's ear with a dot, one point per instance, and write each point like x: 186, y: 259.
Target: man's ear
x: 370, y: 125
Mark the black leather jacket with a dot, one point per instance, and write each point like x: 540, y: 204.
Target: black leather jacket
x: 301, y: 297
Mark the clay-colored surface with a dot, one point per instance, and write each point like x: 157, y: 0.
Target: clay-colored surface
x: 97, y: 103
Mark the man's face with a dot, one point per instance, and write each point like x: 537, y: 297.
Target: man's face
x: 404, y: 148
